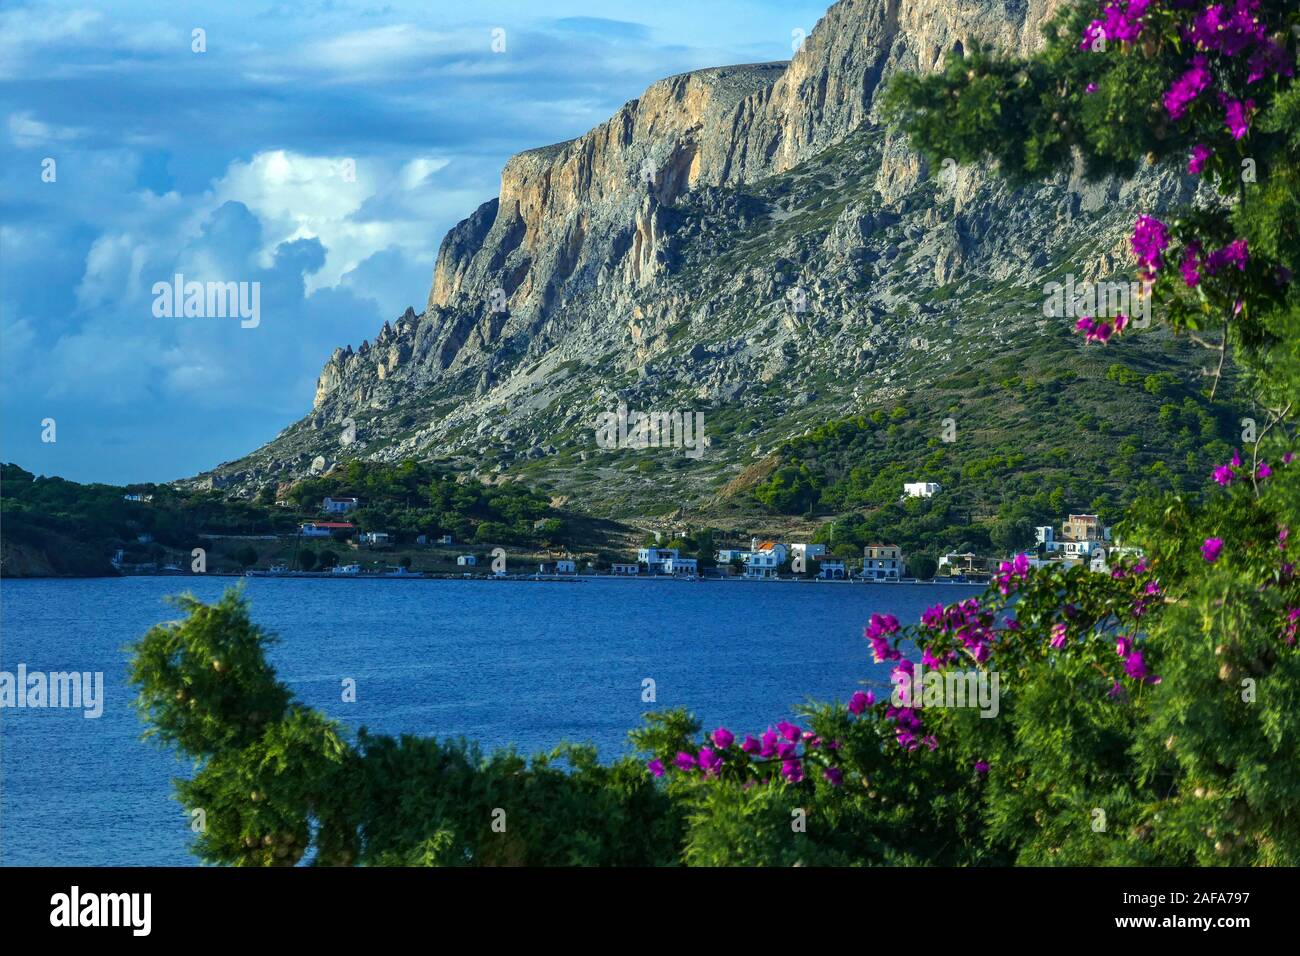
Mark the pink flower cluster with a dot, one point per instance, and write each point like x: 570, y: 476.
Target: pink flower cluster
x: 966, y: 623
x: 1011, y: 573
x: 1121, y: 21
x: 879, y: 629
x: 1101, y: 331
x: 781, y: 743
x: 1195, y: 262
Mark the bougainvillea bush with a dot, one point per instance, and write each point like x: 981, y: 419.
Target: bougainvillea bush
x: 1149, y: 714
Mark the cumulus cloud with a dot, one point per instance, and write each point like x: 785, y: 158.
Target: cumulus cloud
x: 321, y: 149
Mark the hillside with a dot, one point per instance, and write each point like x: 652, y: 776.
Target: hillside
x: 752, y: 244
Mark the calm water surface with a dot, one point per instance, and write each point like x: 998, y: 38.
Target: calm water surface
x: 528, y: 663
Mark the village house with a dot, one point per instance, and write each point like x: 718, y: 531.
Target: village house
x: 921, y: 489
x: 676, y: 565
x: 338, y: 506
x: 728, y: 555
x: 883, y: 562
x: 566, y: 566
x: 445, y: 539
x: 374, y: 538
x: 654, y: 558
x: 963, y: 564
x: 324, y: 529
x: 832, y: 569
x: 765, y: 559
x: 626, y: 570
x: 466, y: 561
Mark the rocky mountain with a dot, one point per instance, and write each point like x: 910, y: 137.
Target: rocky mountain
x: 747, y: 242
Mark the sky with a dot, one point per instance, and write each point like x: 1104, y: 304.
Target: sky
x: 318, y: 149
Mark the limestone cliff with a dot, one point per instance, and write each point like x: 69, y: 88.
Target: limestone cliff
x: 743, y: 238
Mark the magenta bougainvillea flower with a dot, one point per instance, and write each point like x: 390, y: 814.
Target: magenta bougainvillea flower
x: 879, y: 627
x: 1058, y: 635
x: 656, y: 767
x: 1187, y: 88
x: 1200, y: 156
x: 1211, y: 549
x: 981, y: 766
x: 1191, y: 264
x: 685, y: 761
x: 723, y: 738
x: 834, y: 776
x: 860, y: 701
x: 1233, y: 254
x: 1150, y: 240
x: 792, y: 770
x: 1263, y: 471
x: 1236, y: 115
x: 750, y: 746
x: 710, y: 762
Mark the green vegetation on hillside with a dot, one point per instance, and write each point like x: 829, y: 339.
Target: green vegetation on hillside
x: 1048, y: 428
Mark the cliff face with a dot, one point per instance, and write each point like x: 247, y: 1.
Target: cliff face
x: 586, y: 212
x: 742, y: 239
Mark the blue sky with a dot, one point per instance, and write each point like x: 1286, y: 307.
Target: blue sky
x: 235, y: 164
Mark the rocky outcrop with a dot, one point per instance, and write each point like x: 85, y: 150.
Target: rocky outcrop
x: 746, y: 237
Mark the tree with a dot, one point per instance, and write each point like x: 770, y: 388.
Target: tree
x: 1011, y: 536
x: 306, y: 559
x: 328, y: 559
x: 922, y: 566
x: 245, y: 556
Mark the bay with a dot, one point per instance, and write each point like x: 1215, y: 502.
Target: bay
x: 523, y: 663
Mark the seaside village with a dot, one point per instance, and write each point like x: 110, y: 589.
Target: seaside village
x: 1081, y: 540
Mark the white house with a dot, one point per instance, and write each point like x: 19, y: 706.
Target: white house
x: 654, y: 558
x: 676, y: 565
x: 140, y: 498
x: 832, y: 569
x: 625, y: 569
x: 373, y: 538
x: 338, y: 506
x: 1045, y: 535
x: 727, y: 555
x: 921, y: 489
x: 466, y: 561
x: 565, y: 566
x: 1081, y: 549
x: 445, y: 539
x: 765, y: 558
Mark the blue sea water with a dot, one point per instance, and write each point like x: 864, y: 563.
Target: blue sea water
x: 528, y: 663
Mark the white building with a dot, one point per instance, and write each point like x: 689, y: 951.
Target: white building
x: 626, y: 570
x: 338, y: 506
x: 921, y: 489
x: 445, y: 539
x: 728, y: 555
x: 373, y: 538
x: 467, y: 561
x: 1045, y: 535
x: 676, y: 565
x: 832, y: 569
x: 654, y: 558
x: 565, y: 566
